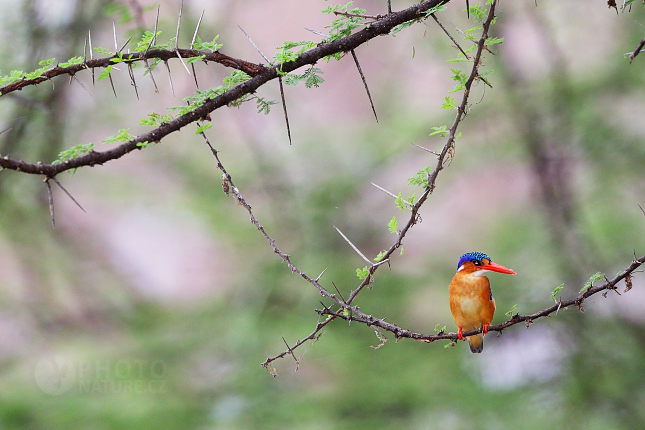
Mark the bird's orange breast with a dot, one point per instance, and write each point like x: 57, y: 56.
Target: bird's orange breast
x: 471, y: 303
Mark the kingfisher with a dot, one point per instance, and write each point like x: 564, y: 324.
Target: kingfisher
x: 471, y: 299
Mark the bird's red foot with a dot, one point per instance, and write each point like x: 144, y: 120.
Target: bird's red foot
x: 485, y: 328
x: 459, y: 334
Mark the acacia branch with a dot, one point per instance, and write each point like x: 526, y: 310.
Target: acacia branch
x: 261, y: 75
x: 448, y: 149
x: 577, y: 301
x: 162, y: 54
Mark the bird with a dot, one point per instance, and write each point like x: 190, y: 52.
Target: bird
x: 471, y: 299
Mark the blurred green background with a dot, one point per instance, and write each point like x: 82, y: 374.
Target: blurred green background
x: 156, y: 307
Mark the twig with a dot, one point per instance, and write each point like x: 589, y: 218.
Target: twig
x: 134, y: 83
x: 231, y: 188
x: 116, y: 45
x: 181, y: 8
x: 637, y: 51
x: 284, y: 108
x: 317, y: 32
x: 343, y: 299
x: 355, y: 15
x: 50, y: 199
x: 170, y: 78
x: 112, y: 84
x: 360, y: 71
x: 82, y: 86
x: 68, y: 193
x: 291, y: 351
x: 312, y: 336
x: 145, y: 54
x: 89, y: 36
x: 445, y: 30
x: 124, y: 45
x: 254, y: 45
x: 320, y: 276
x: 353, y: 247
x: 192, y: 43
x: 392, y: 194
x: 426, y: 149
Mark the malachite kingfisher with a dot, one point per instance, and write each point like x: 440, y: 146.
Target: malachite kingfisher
x: 471, y: 299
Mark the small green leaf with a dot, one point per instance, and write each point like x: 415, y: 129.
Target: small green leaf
x: 594, y: 278
x: 105, y: 73
x: 286, y: 54
x: 203, y: 128
x: 400, y: 203
x: 403, y: 26
x: 449, y: 103
x: 362, y: 273
x: 264, y: 106
x: 121, y: 136
x: 103, y: 51
x: 202, y: 46
x: 71, y: 62
x: 556, y: 291
x: 380, y: 255
x: 74, y: 151
x: 439, y: 330
x: 192, y: 60
x: 144, y: 43
x: 154, y: 119
x: 391, y: 226
x: 14, y: 76
x: 441, y: 131
x: 421, y: 177
x: 494, y: 40
x: 510, y: 313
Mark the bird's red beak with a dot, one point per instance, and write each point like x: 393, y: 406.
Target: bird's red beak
x: 494, y: 267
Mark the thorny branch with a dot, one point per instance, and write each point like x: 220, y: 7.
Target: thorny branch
x: 444, y: 157
x: 163, y: 54
x: 637, y: 51
x: 260, y: 76
x: 516, y: 319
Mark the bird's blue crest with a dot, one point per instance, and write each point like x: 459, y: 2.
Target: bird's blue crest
x: 472, y: 256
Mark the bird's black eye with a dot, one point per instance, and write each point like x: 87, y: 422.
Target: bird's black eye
x: 477, y: 263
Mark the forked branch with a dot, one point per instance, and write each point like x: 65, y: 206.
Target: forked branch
x: 352, y: 312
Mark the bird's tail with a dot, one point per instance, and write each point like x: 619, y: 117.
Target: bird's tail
x: 476, y: 343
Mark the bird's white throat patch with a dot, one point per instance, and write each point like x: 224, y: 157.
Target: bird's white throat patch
x: 479, y: 272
